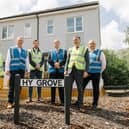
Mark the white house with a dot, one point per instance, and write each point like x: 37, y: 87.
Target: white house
x: 61, y: 23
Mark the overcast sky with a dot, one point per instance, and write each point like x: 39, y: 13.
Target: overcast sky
x: 114, y: 16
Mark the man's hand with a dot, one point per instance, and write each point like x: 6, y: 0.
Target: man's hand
x: 85, y: 75
x: 26, y: 75
x: 38, y: 66
x: 7, y: 73
x: 65, y: 73
x: 57, y: 65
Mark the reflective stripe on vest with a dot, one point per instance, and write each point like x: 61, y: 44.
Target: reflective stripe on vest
x: 18, y: 59
x: 95, y: 65
x: 57, y: 57
x: 77, y: 58
x: 37, y: 58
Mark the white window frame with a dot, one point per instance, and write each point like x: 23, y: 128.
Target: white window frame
x: 7, y: 38
x: 75, y: 31
x: 52, y: 25
x: 73, y: 24
x: 28, y: 36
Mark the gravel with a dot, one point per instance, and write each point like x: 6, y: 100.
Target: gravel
x: 112, y: 113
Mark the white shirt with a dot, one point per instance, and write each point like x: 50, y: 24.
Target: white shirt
x: 36, y: 50
x: 103, y: 61
x: 8, y: 59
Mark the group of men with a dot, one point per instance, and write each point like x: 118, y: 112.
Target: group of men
x: 79, y: 63
x: 84, y: 64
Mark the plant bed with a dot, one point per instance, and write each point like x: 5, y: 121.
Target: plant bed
x: 116, y: 87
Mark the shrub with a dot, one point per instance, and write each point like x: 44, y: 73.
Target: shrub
x: 117, y: 70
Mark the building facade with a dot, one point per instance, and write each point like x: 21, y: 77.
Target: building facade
x: 59, y: 23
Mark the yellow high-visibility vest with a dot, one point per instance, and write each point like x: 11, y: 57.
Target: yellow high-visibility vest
x: 36, y: 57
x: 77, y: 58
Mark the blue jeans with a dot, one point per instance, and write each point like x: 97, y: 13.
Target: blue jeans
x: 35, y: 74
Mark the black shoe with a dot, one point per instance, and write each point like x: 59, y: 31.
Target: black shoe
x: 29, y: 101
x: 39, y: 100
x: 52, y: 103
x: 76, y: 103
x: 62, y: 104
x: 94, y: 106
x: 80, y: 106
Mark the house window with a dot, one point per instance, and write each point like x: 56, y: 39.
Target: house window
x: 50, y: 27
x: 70, y: 24
x: 74, y: 24
x: 78, y: 23
x: 27, y: 30
x: 4, y: 32
x: 8, y: 32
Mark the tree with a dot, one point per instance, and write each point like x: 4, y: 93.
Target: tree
x: 117, y: 70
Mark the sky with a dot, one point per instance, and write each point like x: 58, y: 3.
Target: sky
x: 114, y: 16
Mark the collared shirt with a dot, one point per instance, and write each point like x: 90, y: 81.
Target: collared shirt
x: 19, y: 49
x: 8, y: 59
x: 57, y: 50
x: 51, y: 62
x: 85, y: 56
x: 36, y: 50
x: 102, y: 59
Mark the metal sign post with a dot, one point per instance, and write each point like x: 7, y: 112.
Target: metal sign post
x: 67, y: 97
x: 17, y: 95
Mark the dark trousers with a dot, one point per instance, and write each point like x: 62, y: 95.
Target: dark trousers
x: 95, y: 78
x: 77, y: 75
x: 35, y: 74
x: 60, y: 89
x: 12, y: 85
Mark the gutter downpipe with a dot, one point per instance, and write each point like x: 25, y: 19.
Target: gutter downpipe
x: 99, y: 21
x: 37, y: 18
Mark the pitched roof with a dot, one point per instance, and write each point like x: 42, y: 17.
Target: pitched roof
x: 54, y: 9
